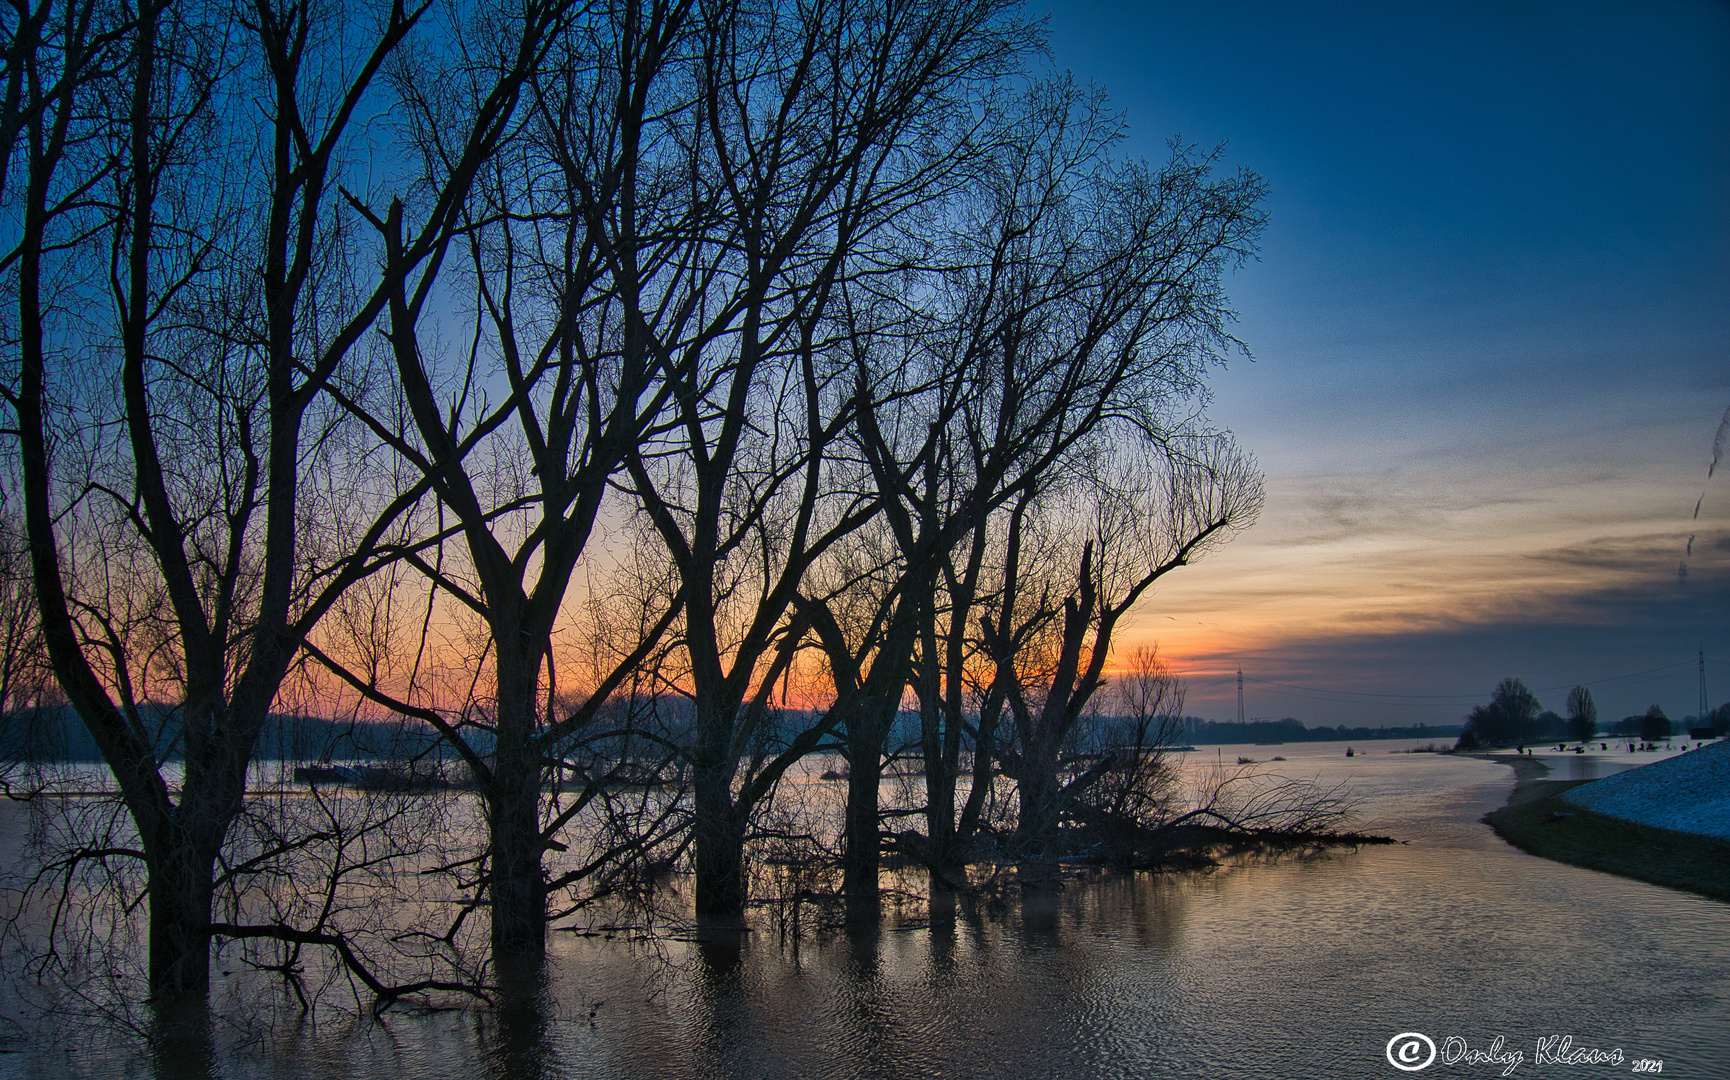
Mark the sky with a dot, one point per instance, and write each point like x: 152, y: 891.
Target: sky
x: 1490, y: 325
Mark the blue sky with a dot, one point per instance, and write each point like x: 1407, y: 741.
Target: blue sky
x: 1491, y: 324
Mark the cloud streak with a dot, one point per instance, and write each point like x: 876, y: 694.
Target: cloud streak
x: 1489, y: 339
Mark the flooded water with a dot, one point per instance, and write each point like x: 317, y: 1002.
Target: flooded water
x: 1297, y: 968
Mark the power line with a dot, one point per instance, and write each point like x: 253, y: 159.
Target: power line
x: 1341, y: 695
x: 1414, y: 698
x: 1617, y: 678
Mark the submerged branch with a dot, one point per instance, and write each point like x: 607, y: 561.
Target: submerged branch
x: 385, y: 994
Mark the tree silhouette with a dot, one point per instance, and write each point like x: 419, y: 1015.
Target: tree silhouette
x: 193, y: 518
x: 1510, y: 717
x: 1582, y: 714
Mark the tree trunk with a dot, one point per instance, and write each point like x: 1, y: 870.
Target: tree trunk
x: 1036, y: 780
x: 720, y: 843
x: 181, y: 1043
x: 862, y: 848
x: 180, y: 896
x: 973, y: 810
x: 950, y: 841
x: 518, y: 888
x: 719, y: 825
x: 940, y: 811
x: 940, y: 898
x: 941, y: 775
x: 518, y: 1047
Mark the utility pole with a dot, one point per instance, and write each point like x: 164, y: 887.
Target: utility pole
x: 1240, y: 690
x: 1699, y: 717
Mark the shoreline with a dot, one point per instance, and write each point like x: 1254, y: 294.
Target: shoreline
x: 1538, y: 821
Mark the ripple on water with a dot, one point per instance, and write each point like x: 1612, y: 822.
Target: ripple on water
x: 1294, y: 969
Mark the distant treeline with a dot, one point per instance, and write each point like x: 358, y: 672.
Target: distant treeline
x: 54, y: 733
x: 1197, y: 730
x: 1106, y: 731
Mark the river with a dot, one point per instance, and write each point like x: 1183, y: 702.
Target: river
x: 1295, y: 968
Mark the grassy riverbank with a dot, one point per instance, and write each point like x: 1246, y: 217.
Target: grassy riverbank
x: 1538, y: 822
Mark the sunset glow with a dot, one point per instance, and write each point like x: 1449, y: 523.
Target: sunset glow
x: 1490, y: 345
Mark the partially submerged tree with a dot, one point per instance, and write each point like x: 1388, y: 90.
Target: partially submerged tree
x: 1148, y: 517
x: 193, y: 515
x: 889, y: 363
x: 826, y: 123
x: 590, y: 245
x: 1073, y: 308
x: 1129, y: 784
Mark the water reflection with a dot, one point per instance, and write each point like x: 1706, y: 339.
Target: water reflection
x: 182, y: 1045
x: 514, y: 1032
x: 1592, y: 766
x: 1039, y: 911
x: 1296, y: 969
x: 721, y: 948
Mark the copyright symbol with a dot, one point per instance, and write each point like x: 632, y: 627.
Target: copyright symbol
x: 1410, y: 1051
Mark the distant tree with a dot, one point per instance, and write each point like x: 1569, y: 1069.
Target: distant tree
x: 1582, y: 714
x: 1510, y: 717
x: 1654, y: 725
x: 1720, y: 719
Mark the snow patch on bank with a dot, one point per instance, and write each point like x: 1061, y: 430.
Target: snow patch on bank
x: 1687, y: 793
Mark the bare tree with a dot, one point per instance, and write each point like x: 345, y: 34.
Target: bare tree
x: 825, y: 122
x: 865, y: 625
x: 588, y: 257
x: 1151, y: 513
x: 319, y: 889
x: 1131, y: 785
x: 191, y: 520
x: 1582, y: 714
x: 1076, y: 307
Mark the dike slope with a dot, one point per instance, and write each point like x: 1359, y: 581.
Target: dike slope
x: 1541, y: 821
x: 1689, y: 793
